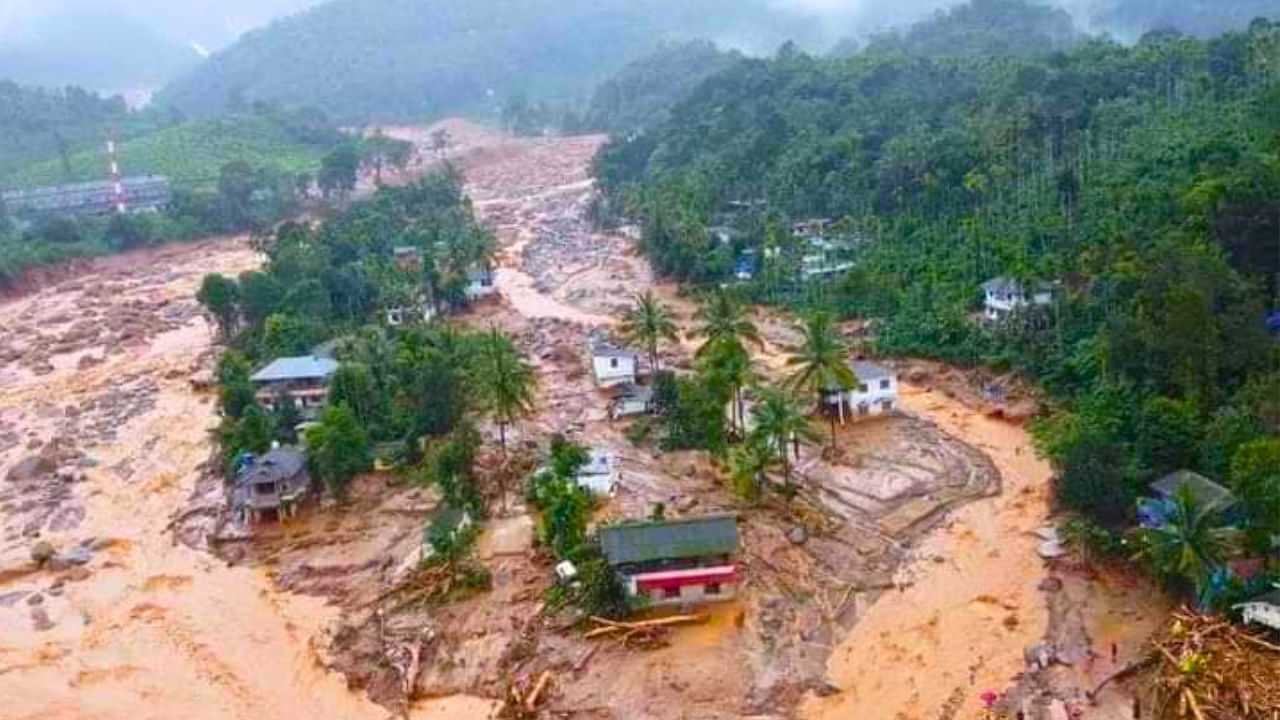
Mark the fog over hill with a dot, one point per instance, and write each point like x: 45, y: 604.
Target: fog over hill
x: 117, y: 45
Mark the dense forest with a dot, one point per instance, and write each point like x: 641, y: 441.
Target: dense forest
x: 641, y: 95
x: 1139, y: 182
x: 413, y: 58
x: 38, y: 124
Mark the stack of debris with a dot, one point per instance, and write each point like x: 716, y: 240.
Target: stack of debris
x: 1207, y: 667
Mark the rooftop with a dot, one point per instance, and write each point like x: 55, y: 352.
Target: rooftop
x: 1271, y: 598
x: 1202, y: 488
x: 279, y: 464
x: 307, y: 367
x: 602, y: 347
x: 870, y: 372
x: 669, y: 540
x: 600, y: 462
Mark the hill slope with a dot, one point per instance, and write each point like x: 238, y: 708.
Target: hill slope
x: 414, y: 58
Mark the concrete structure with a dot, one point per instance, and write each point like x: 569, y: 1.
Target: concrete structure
x: 419, y: 311
x: 675, y: 562
x: 612, y: 365
x: 1264, y: 610
x: 481, y: 284
x: 632, y: 400
x: 875, y: 394
x: 1005, y: 296
x: 600, y: 475
x: 407, y: 258
x: 305, y: 379
x: 144, y: 193
x: 274, y: 484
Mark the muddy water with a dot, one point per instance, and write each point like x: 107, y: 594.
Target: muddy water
x: 157, y: 630
x: 960, y: 628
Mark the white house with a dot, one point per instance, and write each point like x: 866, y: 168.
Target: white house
x: 1004, y: 296
x: 875, y: 394
x: 1263, y: 611
x: 418, y: 311
x: 600, y: 475
x: 632, y: 400
x: 480, y: 284
x: 612, y: 366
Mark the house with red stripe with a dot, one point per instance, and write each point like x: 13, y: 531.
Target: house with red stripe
x: 675, y: 562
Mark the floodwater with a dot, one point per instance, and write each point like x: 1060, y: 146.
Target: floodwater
x: 960, y: 628
x: 158, y: 630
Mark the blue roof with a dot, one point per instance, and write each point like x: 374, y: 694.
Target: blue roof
x: 308, y: 367
x: 1273, y: 322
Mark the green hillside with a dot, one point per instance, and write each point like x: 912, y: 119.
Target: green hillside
x: 1140, y: 184
x: 191, y: 153
x: 420, y: 58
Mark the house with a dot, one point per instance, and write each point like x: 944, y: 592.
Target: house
x: 599, y: 475
x: 632, y: 400
x: 675, y: 562
x: 1263, y: 610
x: 1004, y: 296
x: 747, y: 266
x: 305, y: 379
x: 481, y: 283
x: 407, y: 258
x: 811, y: 229
x: 876, y: 392
x: 276, y: 483
x: 612, y: 366
x: 418, y: 311
x: 725, y: 235
x: 1273, y: 324
x: 1155, y: 512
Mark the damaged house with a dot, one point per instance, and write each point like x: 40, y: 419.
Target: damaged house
x: 274, y: 484
x: 675, y: 562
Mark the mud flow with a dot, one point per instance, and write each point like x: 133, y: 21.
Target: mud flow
x: 903, y: 582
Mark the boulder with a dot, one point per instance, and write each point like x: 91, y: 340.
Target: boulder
x: 798, y: 535
x: 42, y: 552
x: 74, y: 557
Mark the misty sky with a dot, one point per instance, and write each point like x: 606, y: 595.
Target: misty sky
x: 216, y: 23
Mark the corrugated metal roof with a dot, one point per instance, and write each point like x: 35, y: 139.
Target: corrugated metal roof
x: 279, y: 464
x: 307, y: 367
x: 1202, y: 488
x: 870, y: 372
x: 670, y: 540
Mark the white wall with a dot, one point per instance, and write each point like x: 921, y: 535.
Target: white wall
x: 614, y: 370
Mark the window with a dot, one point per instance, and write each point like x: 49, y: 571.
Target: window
x: 884, y: 384
x: 862, y: 388
x: 613, y: 362
x: 713, y: 589
x: 671, y: 593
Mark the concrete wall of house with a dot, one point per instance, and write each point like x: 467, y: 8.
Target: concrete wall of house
x: 871, y: 397
x: 614, y: 370
x: 693, y: 594
x: 1262, y: 614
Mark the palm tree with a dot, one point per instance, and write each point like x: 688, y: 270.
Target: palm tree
x: 506, y: 386
x: 506, y: 382
x: 821, y: 362
x: 749, y: 466
x: 730, y: 366
x: 1192, y: 544
x: 724, y: 321
x: 647, y: 323
x: 780, y: 422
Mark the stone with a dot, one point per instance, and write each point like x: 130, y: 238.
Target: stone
x: 74, y: 557
x: 798, y: 535
x: 1050, y: 585
x: 42, y: 551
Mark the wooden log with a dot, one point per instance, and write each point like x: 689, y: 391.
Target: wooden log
x: 531, y: 703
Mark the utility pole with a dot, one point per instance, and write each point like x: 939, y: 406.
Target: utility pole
x: 118, y: 197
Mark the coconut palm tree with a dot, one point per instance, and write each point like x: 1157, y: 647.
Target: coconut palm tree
x: 821, y: 362
x: 781, y: 423
x: 647, y: 323
x: 729, y: 366
x: 506, y: 383
x: 749, y: 466
x: 1191, y: 545
x: 723, y: 321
